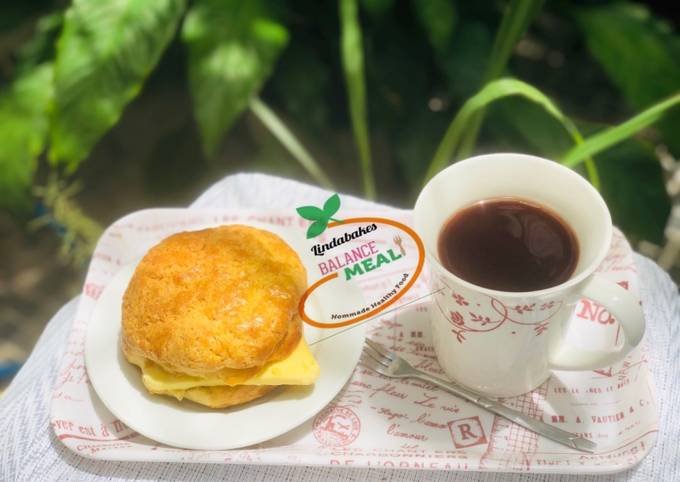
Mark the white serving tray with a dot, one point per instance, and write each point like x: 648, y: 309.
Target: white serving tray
x: 375, y: 421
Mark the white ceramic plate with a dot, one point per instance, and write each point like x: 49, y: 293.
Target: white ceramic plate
x: 191, y: 426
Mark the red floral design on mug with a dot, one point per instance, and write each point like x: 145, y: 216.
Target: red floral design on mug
x: 524, y: 308
x: 480, y: 318
x: 459, y: 336
x: 492, y: 313
x: 460, y: 299
x: 456, y: 317
x: 541, y: 327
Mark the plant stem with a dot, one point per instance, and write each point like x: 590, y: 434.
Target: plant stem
x: 516, y: 19
x: 284, y: 135
x: 353, y: 66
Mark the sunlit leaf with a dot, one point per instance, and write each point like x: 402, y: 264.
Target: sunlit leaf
x: 23, y: 131
x: 353, y: 66
x: 233, y: 46
x: 104, y: 53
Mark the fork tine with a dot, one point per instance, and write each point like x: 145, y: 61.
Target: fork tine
x: 372, y: 364
x: 376, y: 356
x: 381, y: 350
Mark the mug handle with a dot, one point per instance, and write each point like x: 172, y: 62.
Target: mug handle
x: 626, y: 309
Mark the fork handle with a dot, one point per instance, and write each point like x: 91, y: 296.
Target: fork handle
x: 553, y: 433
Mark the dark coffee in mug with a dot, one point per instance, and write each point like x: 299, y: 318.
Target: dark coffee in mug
x: 508, y: 244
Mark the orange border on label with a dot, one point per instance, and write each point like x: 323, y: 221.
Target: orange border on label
x: 325, y: 279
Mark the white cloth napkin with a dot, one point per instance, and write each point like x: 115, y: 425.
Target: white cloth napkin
x: 31, y: 452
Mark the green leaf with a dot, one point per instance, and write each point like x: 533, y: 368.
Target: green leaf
x: 464, y: 63
x: 331, y: 206
x: 316, y: 228
x: 233, y: 46
x: 40, y: 48
x: 353, y: 67
x: 491, y: 92
x: 377, y: 7
x: 312, y: 213
x: 524, y: 124
x: 105, y: 52
x: 302, y: 88
x: 438, y: 18
x: 284, y: 135
x: 634, y: 189
x: 613, y: 135
x: 639, y: 53
x: 23, y: 131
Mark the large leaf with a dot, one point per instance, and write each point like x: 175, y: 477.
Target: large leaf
x: 353, y: 66
x: 633, y: 186
x: 105, y: 51
x: 233, y: 45
x: 492, y: 92
x: 640, y: 54
x: 23, y: 130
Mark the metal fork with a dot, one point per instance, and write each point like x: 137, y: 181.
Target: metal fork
x: 392, y: 365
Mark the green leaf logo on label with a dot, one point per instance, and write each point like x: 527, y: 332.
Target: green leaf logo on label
x: 320, y: 216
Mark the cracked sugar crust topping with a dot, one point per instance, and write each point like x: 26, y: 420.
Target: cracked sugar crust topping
x: 224, y: 297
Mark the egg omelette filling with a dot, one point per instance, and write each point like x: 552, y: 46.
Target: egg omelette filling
x: 299, y: 368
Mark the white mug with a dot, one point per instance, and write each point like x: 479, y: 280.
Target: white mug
x: 505, y: 343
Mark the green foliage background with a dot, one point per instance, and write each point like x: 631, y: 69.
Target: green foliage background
x: 367, y: 96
